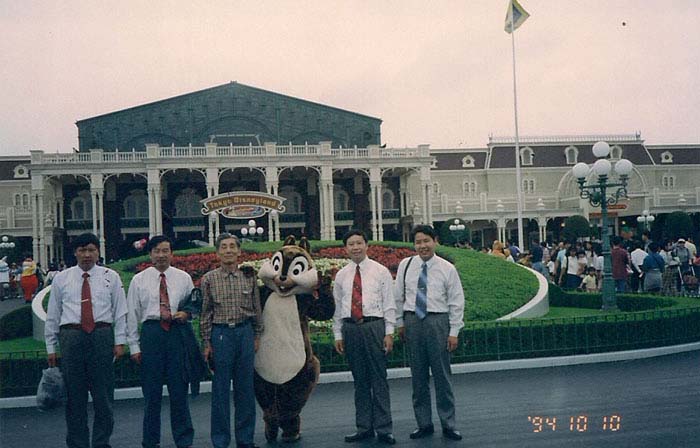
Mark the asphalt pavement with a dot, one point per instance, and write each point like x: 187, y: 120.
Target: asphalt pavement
x: 651, y: 402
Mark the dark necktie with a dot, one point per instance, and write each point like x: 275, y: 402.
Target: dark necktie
x: 87, y: 321
x: 165, y: 316
x: 356, y: 306
x: 422, y: 293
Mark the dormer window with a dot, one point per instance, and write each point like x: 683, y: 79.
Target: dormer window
x: 468, y: 162
x: 571, y: 155
x: 21, y: 172
x: 526, y: 156
x: 666, y: 157
x: 616, y: 153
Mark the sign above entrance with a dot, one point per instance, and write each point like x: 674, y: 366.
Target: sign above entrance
x: 243, y: 204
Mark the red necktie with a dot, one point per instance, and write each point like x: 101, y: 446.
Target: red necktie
x: 87, y: 321
x: 165, y: 316
x: 356, y: 305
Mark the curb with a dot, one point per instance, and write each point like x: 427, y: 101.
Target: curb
x: 405, y: 372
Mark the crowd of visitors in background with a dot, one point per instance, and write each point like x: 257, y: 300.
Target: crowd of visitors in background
x: 670, y: 267
x: 25, y: 278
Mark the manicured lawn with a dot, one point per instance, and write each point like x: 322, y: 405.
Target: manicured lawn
x: 560, y: 311
x: 21, y: 345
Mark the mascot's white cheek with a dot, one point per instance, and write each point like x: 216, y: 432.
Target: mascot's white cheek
x: 281, y: 354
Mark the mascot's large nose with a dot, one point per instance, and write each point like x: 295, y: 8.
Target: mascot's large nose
x: 283, y: 278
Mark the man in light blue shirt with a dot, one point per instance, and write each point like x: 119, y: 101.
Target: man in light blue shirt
x: 430, y: 302
x: 86, y: 318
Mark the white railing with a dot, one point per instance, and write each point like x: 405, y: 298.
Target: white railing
x: 525, y: 139
x: 66, y: 158
x: 190, y: 151
x: 350, y: 153
x: 241, y: 151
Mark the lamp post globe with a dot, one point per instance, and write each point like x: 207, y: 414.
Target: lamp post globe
x: 601, y: 149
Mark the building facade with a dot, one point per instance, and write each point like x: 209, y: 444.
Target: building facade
x: 142, y: 171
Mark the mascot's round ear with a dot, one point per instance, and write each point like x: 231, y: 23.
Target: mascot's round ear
x: 304, y: 244
x: 289, y: 241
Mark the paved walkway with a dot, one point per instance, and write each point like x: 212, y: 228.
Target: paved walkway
x: 657, y: 399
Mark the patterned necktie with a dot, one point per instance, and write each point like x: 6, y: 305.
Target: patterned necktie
x: 422, y: 293
x: 165, y: 316
x: 87, y: 321
x: 356, y: 305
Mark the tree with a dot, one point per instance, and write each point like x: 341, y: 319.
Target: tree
x: 678, y: 225
x: 576, y: 227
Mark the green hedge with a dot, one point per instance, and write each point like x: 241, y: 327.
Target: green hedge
x: 625, y: 302
x: 16, y: 324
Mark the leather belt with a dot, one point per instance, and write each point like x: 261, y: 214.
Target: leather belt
x: 79, y: 327
x: 364, y: 320
x: 429, y: 312
x: 236, y: 325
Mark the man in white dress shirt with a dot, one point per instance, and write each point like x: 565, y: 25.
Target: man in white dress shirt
x: 154, y: 296
x: 430, y: 303
x: 86, y: 317
x: 363, y: 326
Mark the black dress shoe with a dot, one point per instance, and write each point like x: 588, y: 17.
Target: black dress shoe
x: 419, y: 433
x: 451, y: 434
x: 387, y: 438
x: 356, y: 437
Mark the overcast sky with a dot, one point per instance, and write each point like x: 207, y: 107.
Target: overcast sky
x: 437, y: 72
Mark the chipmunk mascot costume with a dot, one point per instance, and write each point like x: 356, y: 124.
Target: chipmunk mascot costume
x: 286, y: 369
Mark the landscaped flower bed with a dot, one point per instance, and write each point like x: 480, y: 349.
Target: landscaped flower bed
x: 329, y: 260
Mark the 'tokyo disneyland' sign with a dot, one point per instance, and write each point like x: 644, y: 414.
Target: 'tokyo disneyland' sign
x: 243, y: 204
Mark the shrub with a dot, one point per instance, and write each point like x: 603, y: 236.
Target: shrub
x: 16, y: 324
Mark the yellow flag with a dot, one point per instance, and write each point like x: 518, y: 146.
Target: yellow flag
x: 515, y: 17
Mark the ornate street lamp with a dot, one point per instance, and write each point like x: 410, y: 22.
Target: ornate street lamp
x: 252, y: 230
x: 646, y: 219
x: 598, y: 195
x: 457, y: 227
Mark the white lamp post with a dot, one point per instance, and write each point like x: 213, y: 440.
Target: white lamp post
x: 597, y: 195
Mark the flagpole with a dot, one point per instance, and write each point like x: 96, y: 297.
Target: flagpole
x: 518, y: 181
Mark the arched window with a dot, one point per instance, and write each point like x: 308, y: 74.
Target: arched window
x: 433, y: 163
x: 293, y: 201
x: 187, y: 204
x: 341, y: 200
x: 615, y: 152
x: 468, y: 162
x: 387, y: 198
x: 666, y: 157
x: 81, y: 207
x: 528, y: 186
x: 136, y: 205
x: 470, y: 188
x: 526, y: 156
x: 571, y: 155
x: 668, y: 182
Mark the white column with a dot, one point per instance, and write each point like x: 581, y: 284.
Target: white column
x: 93, y: 198
x: 402, y: 196
x: 373, y: 206
x: 151, y: 212
x: 425, y: 196
x: 159, y: 211
x: 35, y: 225
x: 101, y: 215
x: 42, y: 229
x: 380, y: 212
x: 331, y: 212
x: 155, y: 225
x: 271, y: 185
